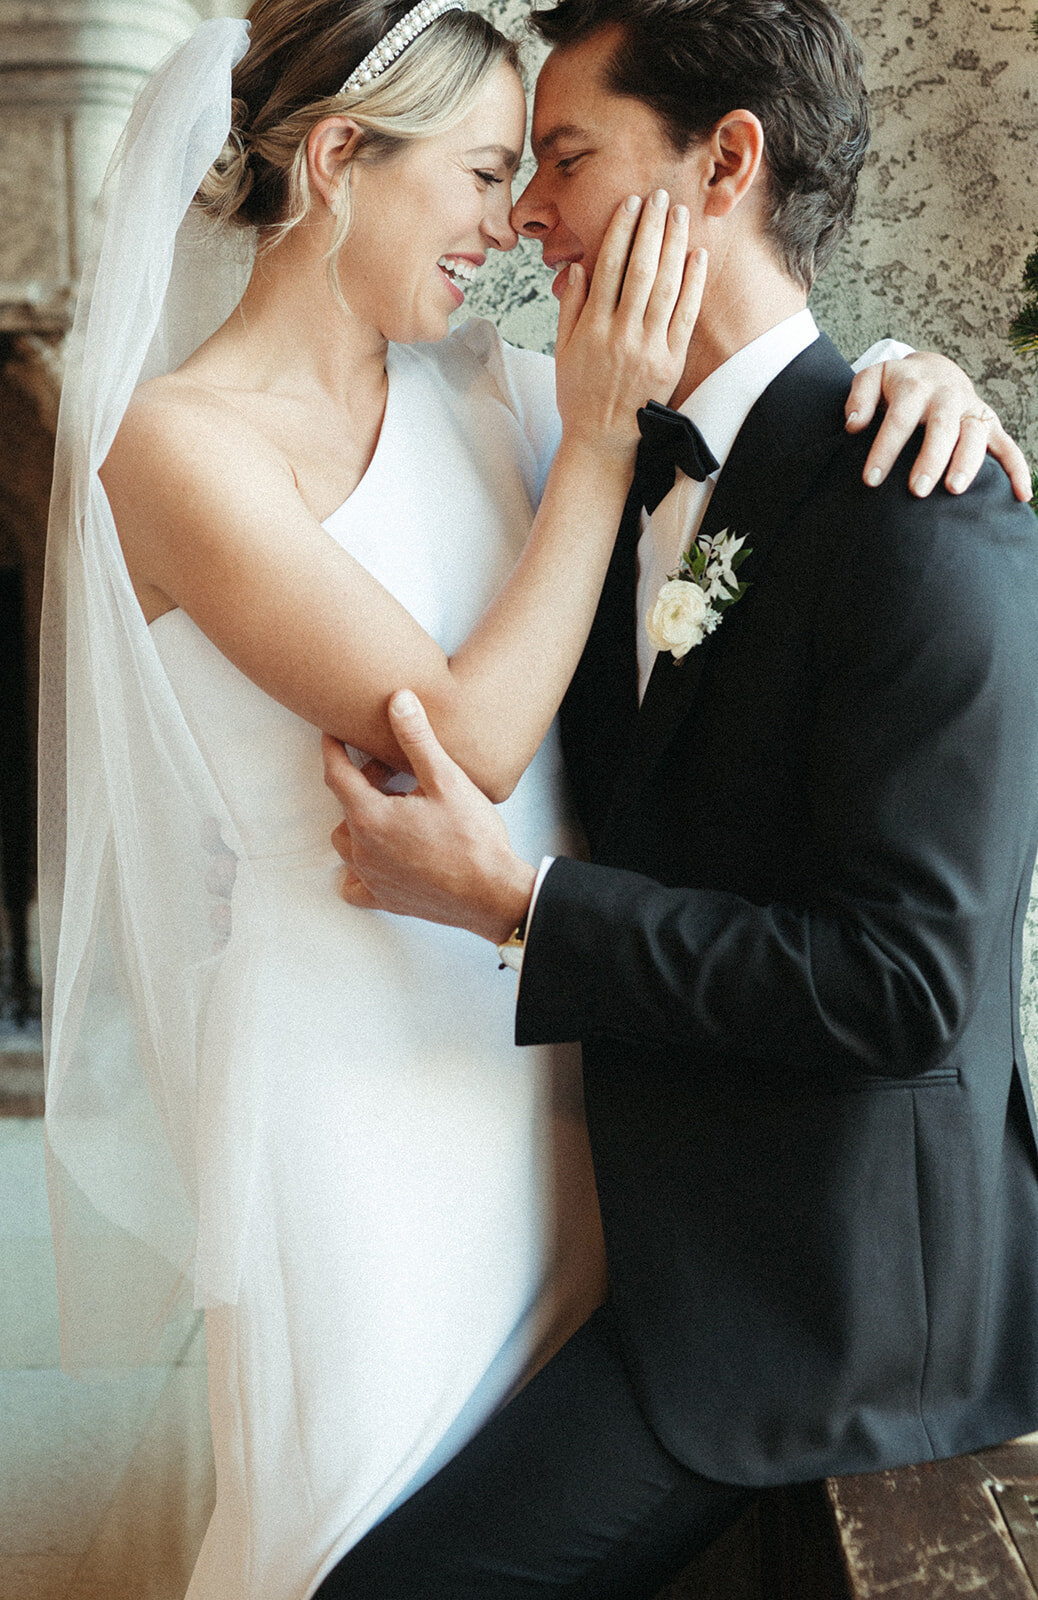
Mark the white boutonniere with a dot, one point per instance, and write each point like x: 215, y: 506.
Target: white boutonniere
x: 693, y: 600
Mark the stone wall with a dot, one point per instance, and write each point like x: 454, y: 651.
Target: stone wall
x: 69, y: 72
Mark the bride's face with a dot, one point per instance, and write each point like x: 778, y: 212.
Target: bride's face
x: 425, y: 219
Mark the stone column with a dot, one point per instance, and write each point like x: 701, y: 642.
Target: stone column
x: 69, y: 72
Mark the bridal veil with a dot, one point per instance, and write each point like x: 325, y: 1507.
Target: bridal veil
x: 147, y: 901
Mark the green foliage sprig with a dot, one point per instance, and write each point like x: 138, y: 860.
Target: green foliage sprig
x: 1023, y: 330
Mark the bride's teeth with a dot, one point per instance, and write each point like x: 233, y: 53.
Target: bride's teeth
x: 458, y: 268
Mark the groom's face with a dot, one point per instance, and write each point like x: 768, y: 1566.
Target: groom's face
x: 593, y: 148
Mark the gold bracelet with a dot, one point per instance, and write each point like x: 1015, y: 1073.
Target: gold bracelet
x: 511, y: 952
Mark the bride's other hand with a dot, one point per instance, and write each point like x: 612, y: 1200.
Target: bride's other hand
x: 926, y: 389
x: 623, y: 338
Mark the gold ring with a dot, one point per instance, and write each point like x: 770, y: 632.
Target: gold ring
x: 987, y: 416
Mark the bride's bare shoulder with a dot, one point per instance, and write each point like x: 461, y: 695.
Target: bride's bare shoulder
x: 178, y: 430
x: 166, y: 412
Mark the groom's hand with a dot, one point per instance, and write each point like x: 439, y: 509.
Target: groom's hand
x: 441, y: 853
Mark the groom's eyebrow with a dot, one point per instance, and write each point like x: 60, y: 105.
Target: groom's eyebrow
x: 508, y: 158
x: 545, y: 143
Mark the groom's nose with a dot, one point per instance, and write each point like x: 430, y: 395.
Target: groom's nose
x: 532, y: 216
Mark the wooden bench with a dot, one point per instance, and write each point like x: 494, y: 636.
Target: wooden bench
x: 964, y: 1527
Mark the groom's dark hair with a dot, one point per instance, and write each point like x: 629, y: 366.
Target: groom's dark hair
x: 793, y: 63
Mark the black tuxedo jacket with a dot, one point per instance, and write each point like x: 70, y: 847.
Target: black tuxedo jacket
x: 794, y: 964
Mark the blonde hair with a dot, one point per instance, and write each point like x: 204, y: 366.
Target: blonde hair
x: 290, y: 78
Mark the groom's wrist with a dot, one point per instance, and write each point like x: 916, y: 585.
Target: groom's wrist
x: 509, y: 901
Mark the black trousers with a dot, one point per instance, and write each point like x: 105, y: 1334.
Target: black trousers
x: 566, y: 1492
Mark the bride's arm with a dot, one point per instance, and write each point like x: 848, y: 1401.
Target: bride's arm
x: 232, y: 543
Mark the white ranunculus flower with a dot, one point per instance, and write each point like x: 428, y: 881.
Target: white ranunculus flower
x: 679, y: 619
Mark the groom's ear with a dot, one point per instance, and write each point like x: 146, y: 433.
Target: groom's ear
x: 330, y: 148
x: 732, y: 153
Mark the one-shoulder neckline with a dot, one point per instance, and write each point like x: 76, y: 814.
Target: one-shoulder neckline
x: 332, y: 518
x: 388, y: 419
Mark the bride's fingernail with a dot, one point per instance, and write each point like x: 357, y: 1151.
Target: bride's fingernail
x: 922, y: 485
x: 632, y: 202
x: 681, y: 213
x: 660, y: 199
x: 957, y: 482
x: 873, y: 477
x: 852, y: 416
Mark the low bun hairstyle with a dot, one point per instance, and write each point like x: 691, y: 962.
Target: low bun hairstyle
x: 300, y: 54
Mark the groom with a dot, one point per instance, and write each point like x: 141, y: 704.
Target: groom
x: 794, y: 959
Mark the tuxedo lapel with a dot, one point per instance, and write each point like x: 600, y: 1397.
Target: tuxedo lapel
x: 600, y: 712
x: 615, y: 619
x: 792, y: 431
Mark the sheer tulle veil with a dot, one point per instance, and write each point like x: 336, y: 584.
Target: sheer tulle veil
x: 150, y: 1117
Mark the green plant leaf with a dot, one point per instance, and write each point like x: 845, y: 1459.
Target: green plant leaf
x: 1031, y: 272
x: 1023, y: 330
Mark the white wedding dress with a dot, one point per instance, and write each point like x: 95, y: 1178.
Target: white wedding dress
x: 404, y: 1262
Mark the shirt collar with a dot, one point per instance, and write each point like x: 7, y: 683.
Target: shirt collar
x: 723, y: 401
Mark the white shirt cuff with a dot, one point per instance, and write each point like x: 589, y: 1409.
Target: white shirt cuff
x: 883, y: 350
x: 542, y: 873
x: 547, y: 862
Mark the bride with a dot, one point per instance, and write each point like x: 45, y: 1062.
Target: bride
x: 281, y: 491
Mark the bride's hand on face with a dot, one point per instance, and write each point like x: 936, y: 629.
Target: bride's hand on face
x: 623, y: 339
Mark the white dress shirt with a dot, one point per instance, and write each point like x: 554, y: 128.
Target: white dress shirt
x: 718, y: 407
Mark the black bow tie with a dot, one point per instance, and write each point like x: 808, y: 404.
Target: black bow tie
x: 669, y: 440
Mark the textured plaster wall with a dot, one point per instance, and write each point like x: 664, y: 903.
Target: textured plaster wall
x: 948, y: 206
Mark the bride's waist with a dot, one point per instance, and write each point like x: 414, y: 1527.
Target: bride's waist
x: 284, y: 834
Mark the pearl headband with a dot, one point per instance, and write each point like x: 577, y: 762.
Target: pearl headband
x: 397, y: 40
